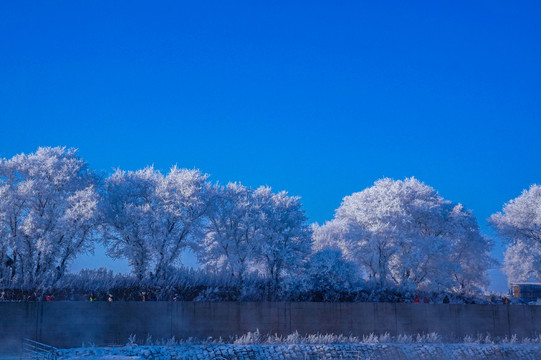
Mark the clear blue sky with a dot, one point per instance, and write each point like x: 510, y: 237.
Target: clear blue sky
x: 315, y: 98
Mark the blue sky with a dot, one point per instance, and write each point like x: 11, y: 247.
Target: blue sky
x: 315, y: 98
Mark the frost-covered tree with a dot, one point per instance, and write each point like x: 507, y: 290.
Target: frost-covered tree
x: 6, y: 251
x: 519, y: 224
x: 255, y: 231
x: 469, y: 251
x: 521, y: 217
x: 522, y: 262
x: 403, y: 233
x: 48, y: 212
x: 284, y: 241
x: 150, y: 218
x: 329, y: 274
x: 231, y: 230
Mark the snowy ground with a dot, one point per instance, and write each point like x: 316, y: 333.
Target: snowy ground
x: 257, y: 346
x: 311, y: 351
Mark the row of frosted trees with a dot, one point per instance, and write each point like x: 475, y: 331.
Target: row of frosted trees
x: 393, y: 235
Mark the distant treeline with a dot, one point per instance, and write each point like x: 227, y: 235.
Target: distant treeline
x: 394, y: 239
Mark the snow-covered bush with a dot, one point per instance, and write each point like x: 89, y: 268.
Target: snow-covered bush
x: 256, y: 338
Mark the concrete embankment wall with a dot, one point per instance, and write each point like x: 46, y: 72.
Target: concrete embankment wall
x: 69, y: 324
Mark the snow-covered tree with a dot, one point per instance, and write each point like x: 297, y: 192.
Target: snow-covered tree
x: 520, y: 225
x: 469, y: 250
x: 255, y: 231
x: 150, y: 218
x: 231, y: 230
x: 48, y: 212
x: 403, y: 233
x: 329, y: 274
x: 521, y: 217
x: 284, y: 242
x: 522, y: 262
